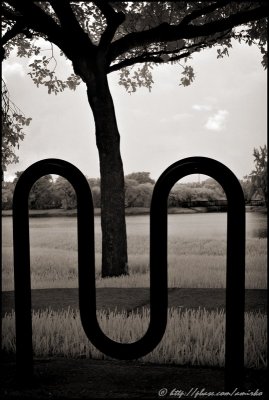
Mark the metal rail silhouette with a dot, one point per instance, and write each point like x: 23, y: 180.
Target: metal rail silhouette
x: 235, y: 277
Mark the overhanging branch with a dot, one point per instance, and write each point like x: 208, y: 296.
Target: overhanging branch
x: 10, y: 15
x: 35, y: 18
x: 143, y: 58
x: 106, y: 9
x: 202, y: 11
x: 167, y: 33
x: 114, y: 20
x: 156, y: 56
x: 16, y: 29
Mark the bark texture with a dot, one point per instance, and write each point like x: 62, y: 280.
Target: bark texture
x: 114, y: 240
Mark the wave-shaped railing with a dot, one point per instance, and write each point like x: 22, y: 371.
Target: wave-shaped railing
x: 235, y: 274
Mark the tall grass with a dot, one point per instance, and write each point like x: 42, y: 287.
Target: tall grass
x: 193, y: 337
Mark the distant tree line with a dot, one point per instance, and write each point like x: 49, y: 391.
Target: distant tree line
x: 49, y: 193
x: 256, y: 183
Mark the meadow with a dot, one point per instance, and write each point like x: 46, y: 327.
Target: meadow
x: 196, y: 252
x: 197, y: 257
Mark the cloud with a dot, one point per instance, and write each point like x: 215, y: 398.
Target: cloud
x: 13, y: 69
x: 217, y: 121
x: 202, y: 107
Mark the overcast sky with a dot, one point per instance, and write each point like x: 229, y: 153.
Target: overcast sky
x: 222, y: 115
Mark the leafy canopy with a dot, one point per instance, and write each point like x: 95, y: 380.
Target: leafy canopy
x: 129, y: 37
x: 13, y: 121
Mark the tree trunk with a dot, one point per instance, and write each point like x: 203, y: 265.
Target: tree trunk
x: 114, y: 240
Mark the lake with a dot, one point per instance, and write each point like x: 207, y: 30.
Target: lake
x: 201, y: 225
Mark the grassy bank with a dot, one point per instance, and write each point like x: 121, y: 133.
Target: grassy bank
x: 193, y: 263
x: 128, y: 211
x: 97, y: 211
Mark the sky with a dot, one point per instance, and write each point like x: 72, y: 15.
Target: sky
x: 221, y: 115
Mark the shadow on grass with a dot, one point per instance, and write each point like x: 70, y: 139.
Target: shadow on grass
x: 63, y: 378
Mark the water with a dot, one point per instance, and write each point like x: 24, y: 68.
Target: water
x: 200, y: 225
x: 183, y: 225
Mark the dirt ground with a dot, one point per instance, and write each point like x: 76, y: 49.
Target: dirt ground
x: 134, y: 298
x: 59, y: 378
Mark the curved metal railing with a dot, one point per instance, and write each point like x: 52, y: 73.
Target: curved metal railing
x: 235, y: 281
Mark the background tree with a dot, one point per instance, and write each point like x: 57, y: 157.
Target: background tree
x: 259, y: 175
x: 65, y: 193
x: 131, y: 192
x: 140, y: 177
x: 96, y: 192
x: 138, y: 189
x: 17, y: 175
x: 7, y: 195
x: 185, y: 193
x: 100, y: 37
x: 41, y: 195
x: 247, y: 187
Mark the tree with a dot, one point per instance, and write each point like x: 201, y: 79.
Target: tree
x: 247, y: 187
x: 140, y: 177
x: 138, y: 195
x: 65, y: 191
x: 259, y: 175
x: 41, y: 195
x: 101, y: 37
x: 7, y: 195
x: 131, y: 192
x: 13, y: 121
x: 96, y: 192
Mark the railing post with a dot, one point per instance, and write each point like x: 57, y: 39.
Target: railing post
x: 235, y: 270
x: 86, y: 273
x: 21, y: 243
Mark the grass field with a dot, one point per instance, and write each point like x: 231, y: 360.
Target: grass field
x: 192, y: 337
x: 196, y: 263
x: 193, y: 262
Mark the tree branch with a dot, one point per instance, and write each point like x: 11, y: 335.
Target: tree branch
x: 151, y: 56
x: 106, y: 9
x: 114, y: 20
x: 8, y: 14
x: 12, y: 32
x: 35, y: 18
x: 145, y: 58
x: 69, y: 23
x: 202, y: 11
x: 17, y: 28
x: 166, y: 33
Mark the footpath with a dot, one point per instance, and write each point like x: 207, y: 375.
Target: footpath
x: 133, y: 299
